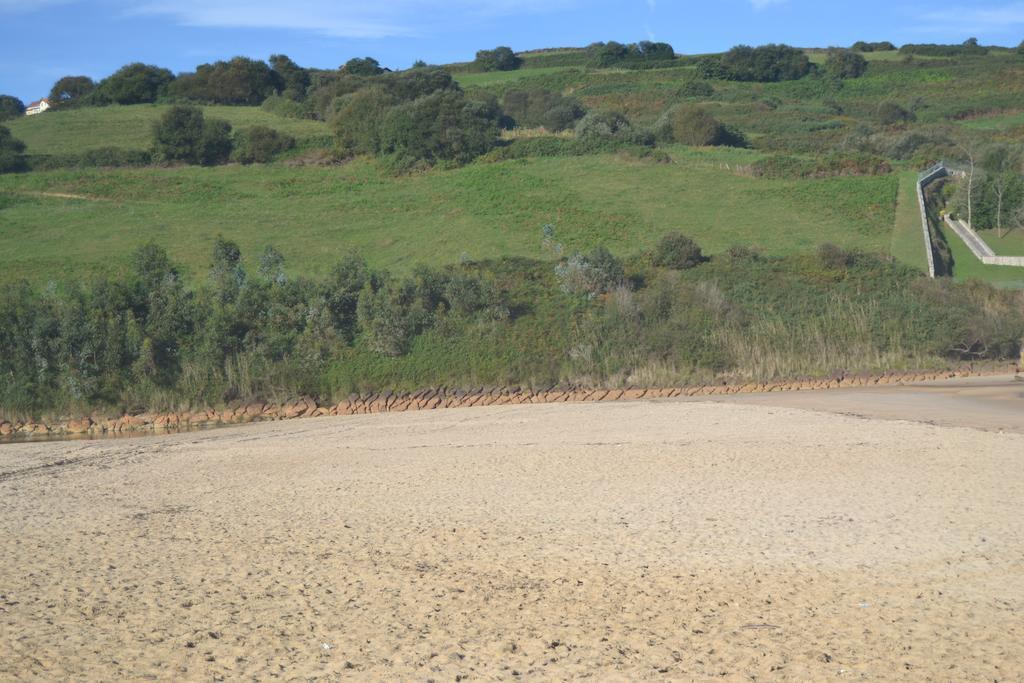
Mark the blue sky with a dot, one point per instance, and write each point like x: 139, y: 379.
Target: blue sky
x: 42, y: 40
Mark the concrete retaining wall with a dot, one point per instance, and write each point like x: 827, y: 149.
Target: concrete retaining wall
x: 934, y: 173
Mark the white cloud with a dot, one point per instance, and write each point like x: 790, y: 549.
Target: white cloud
x: 340, y: 18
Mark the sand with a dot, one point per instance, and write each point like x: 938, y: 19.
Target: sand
x: 654, y: 539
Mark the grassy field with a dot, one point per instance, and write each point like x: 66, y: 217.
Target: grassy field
x: 967, y: 267
x: 489, y: 78
x: 998, y: 121
x: 130, y: 127
x: 907, y: 234
x: 316, y: 215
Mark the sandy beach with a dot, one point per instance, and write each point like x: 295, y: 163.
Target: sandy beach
x: 743, y: 539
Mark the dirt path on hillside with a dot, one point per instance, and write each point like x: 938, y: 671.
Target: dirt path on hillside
x: 63, y: 195
x: 649, y: 539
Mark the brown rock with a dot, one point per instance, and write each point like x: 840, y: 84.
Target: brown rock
x: 79, y: 426
x: 291, y: 411
x: 6, y: 429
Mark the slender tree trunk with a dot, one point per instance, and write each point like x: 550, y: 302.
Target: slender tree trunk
x: 970, y: 191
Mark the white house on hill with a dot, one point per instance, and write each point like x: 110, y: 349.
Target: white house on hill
x: 37, y: 107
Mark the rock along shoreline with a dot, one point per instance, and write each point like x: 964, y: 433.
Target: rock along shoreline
x: 438, y: 398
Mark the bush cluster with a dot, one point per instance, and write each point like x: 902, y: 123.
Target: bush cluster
x: 969, y: 47
x: 845, y: 64
x: 419, y: 116
x: 133, y: 84
x: 240, y: 81
x: 12, y: 152
x: 767, y: 63
x: 620, y: 54
x: 498, y: 59
x: 691, y: 125
x: 541, y: 108
x: 10, y: 107
x: 883, y: 46
x: 149, y: 340
x: 184, y: 134
x: 260, y: 145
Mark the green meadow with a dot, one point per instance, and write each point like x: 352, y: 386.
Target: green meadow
x: 485, y: 210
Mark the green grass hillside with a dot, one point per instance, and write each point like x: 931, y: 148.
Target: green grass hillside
x: 485, y: 210
x: 495, y: 209
x: 78, y: 130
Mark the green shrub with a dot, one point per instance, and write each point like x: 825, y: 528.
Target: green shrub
x: 389, y: 317
x: 694, y: 126
x: 112, y: 157
x: 678, y: 252
x: 542, y: 108
x: 260, y: 145
x: 969, y: 47
x: 362, y: 66
x: 183, y: 134
x: 281, y: 105
x: 619, y: 54
x: 845, y: 64
x: 12, y: 150
x: 443, y: 126
x: 595, y: 273
x: 10, y: 107
x: 241, y: 81
x: 134, y: 84
x: 294, y: 79
x: 696, y: 89
x: 498, y: 59
x: 891, y: 113
x: 602, y: 125
x: 767, y: 63
x: 883, y: 46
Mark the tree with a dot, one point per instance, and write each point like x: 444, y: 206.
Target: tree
x: 366, y: 66
x: 389, y: 317
x: 11, y: 152
x: 71, y: 90
x: 240, y: 81
x: 215, y: 143
x: 883, y: 46
x: 845, y: 64
x: 183, y: 134
x: 498, y: 59
x: 767, y: 63
x: 11, y: 107
x: 294, y: 79
x: 226, y: 272
x: 442, y: 126
x: 358, y: 117
x: 1020, y: 48
x: 1003, y: 166
x: 134, y: 84
x: 613, y: 53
